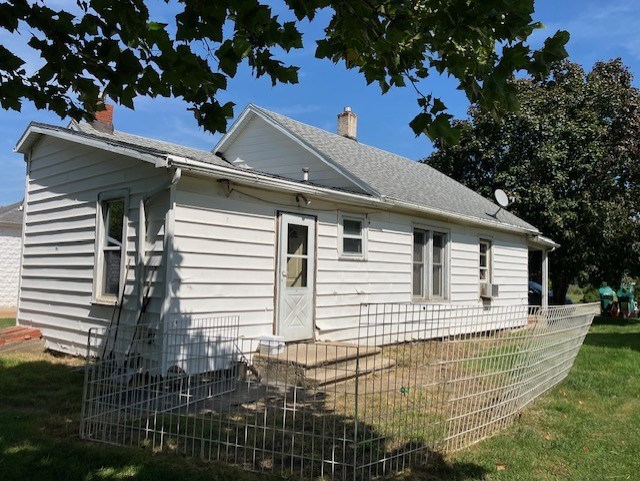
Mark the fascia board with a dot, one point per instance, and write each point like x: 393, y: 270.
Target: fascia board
x: 543, y: 242
x: 34, y: 132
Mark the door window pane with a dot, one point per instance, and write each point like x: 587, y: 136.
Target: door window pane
x: 296, y: 272
x: 297, y: 250
x: 297, y: 239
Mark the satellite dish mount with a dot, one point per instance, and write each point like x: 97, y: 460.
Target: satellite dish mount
x: 502, y: 199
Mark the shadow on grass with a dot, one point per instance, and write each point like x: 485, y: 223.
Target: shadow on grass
x: 615, y: 321
x: 39, y: 423
x: 438, y: 469
x: 614, y: 340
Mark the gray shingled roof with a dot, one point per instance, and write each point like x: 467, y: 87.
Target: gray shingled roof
x: 11, y: 214
x: 147, y: 145
x: 388, y: 175
x: 394, y: 176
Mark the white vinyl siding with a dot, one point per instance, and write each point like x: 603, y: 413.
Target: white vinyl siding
x: 64, y: 181
x: 10, y: 250
x: 510, y: 270
x: 342, y: 286
x: 265, y: 149
x: 224, y: 254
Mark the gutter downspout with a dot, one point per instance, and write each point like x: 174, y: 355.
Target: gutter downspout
x: 142, y: 233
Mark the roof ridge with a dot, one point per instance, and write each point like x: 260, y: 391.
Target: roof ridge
x: 337, y: 136
x: 142, y: 137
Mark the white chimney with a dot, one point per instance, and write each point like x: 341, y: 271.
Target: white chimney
x: 348, y: 124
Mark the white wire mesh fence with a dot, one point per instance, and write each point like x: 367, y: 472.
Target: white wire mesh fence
x: 418, y: 379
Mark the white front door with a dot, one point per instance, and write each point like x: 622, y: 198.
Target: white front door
x: 296, y: 268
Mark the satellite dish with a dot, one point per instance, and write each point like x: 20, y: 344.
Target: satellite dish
x: 501, y: 197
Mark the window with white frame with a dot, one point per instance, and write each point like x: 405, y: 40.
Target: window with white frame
x: 352, y: 236
x: 430, y: 267
x: 485, y: 261
x: 110, y: 245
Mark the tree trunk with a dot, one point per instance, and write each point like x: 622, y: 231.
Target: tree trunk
x: 560, y: 288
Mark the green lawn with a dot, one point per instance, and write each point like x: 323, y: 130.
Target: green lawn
x: 7, y: 322
x: 588, y: 428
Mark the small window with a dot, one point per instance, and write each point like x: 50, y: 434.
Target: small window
x: 352, y: 240
x: 429, y: 264
x: 110, y: 243
x: 485, y: 261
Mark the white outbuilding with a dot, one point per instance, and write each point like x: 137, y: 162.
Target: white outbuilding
x: 10, y: 252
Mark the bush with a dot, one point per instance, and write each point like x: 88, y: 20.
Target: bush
x: 590, y: 294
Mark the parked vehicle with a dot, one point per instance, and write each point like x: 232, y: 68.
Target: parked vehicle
x: 535, y: 295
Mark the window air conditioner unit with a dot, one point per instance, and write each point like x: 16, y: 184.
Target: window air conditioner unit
x: 488, y: 290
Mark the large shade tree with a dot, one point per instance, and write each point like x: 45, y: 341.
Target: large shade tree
x: 116, y: 47
x: 570, y: 158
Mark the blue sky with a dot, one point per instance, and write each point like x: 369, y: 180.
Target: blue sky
x: 599, y: 31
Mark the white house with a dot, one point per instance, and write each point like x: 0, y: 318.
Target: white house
x: 286, y: 225
x: 10, y: 252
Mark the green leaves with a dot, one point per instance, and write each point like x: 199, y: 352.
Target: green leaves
x: 571, y: 158
x: 9, y: 61
x: 433, y: 122
x: 552, y: 52
x: 155, y: 26
x: 116, y: 45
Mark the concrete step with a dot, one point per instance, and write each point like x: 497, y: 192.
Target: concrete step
x: 318, y: 364
x: 333, y: 373
x: 310, y: 354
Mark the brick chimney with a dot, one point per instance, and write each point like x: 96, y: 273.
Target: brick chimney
x: 104, y: 119
x: 348, y: 124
